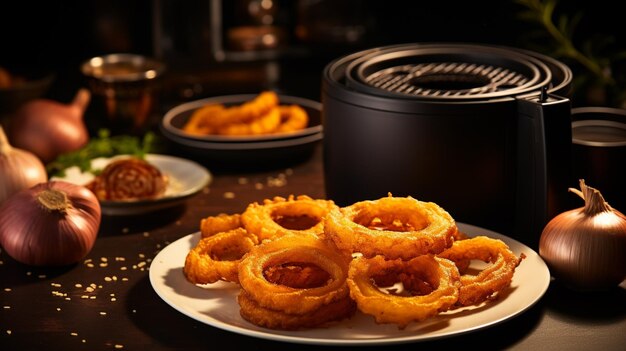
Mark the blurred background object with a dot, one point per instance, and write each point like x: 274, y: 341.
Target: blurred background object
x: 216, y: 47
x: 125, y: 91
x: 17, y: 89
x: 599, y: 151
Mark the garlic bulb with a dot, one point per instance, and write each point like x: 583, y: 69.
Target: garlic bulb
x: 585, y: 248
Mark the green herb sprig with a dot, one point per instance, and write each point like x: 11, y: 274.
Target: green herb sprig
x: 103, y: 145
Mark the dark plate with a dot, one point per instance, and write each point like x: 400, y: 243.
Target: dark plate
x: 173, y: 121
x: 262, y: 151
x: 264, y: 154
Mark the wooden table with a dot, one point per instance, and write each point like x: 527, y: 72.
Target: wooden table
x: 108, y: 303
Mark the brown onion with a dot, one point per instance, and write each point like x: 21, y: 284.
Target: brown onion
x: 19, y: 169
x: 48, y: 128
x: 50, y: 224
x: 585, y: 248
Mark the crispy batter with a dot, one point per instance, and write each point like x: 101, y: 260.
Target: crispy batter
x: 493, y: 278
x: 294, y: 249
x: 439, y: 290
x: 200, y: 121
x: 292, y: 118
x: 392, y: 226
x: 223, y: 222
x: 217, y: 257
x: 279, y: 216
x: 259, y: 116
x: 337, y: 310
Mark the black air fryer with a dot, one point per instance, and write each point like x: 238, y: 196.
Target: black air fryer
x: 483, y: 131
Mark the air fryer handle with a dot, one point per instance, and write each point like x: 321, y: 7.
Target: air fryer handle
x: 543, y: 162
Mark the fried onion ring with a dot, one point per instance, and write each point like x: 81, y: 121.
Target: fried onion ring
x: 257, y: 116
x: 279, y: 216
x: 263, y: 124
x: 496, y: 276
x: 391, y: 226
x: 335, y: 311
x: 292, y: 118
x: 217, y: 257
x: 221, y: 223
x: 200, y: 121
x: 291, y: 250
x: 431, y: 285
x: 260, y: 116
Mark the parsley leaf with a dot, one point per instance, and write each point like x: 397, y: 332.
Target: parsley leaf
x: 103, y: 145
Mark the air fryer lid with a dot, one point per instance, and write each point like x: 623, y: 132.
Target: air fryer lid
x: 447, y: 73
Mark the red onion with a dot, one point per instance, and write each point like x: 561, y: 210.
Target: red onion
x: 48, y: 128
x: 19, y: 169
x: 50, y: 224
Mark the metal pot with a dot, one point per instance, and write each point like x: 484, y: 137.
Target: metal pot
x: 483, y: 131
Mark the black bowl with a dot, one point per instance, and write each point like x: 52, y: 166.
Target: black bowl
x: 256, y: 151
x: 174, y: 119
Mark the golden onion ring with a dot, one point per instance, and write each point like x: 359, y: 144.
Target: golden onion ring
x: 221, y: 223
x: 217, y: 257
x: 292, y: 118
x: 200, y: 121
x: 490, y: 280
x: 294, y: 249
x: 263, y: 124
x: 251, y: 311
x: 257, y: 116
x: 438, y: 280
x: 393, y: 227
x: 279, y: 216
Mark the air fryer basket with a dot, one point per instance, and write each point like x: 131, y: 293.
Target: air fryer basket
x: 442, y: 122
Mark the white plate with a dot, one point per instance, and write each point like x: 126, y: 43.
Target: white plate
x: 186, y: 178
x: 216, y: 304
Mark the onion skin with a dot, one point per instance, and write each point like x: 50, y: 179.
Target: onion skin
x: 48, y: 128
x: 35, y: 235
x: 19, y: 169
x: 585, y: 248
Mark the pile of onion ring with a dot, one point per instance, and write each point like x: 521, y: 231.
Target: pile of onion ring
x: 304, y: 263
x: 262, y: 115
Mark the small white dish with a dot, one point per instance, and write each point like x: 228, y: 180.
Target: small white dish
x: 186, y: 178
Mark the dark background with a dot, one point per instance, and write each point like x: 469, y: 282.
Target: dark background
x: 58, y: 36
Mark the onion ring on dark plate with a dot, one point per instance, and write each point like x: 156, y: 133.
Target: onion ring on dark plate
x: 292, y: 119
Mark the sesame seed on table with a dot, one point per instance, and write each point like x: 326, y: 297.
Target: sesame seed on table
x: 106, y: 301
